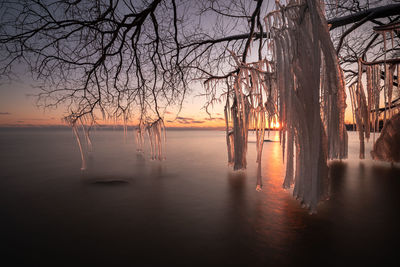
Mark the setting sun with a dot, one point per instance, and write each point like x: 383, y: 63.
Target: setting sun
x: 275, y: 125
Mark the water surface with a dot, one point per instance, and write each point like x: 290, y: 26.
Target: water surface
x: 190, y: 209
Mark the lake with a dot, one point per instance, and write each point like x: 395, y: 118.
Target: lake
x: 191, y: 209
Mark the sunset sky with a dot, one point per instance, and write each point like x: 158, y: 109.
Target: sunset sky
x: 18, y: 108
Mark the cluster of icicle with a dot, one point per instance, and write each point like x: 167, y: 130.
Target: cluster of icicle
x: 245, y: 109
x: 312, y: 98
x: 303, y: 86
x: 156, y: 135
x: 81, y: 124
x: 366, y: 106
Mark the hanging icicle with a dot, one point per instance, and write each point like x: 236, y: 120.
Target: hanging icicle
x: 86, y: 123
x: 157, y: 138
x: 367, y: 119
x: 310, y: 110
x: 303, y: 50
x: 140, y: 130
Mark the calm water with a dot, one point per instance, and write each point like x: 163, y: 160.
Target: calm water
x: 188, y: 210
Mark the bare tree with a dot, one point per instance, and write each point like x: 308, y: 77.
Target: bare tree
x: 352, y: 30
x: 122, y: 57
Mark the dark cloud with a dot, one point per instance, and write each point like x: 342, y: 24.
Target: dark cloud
x: 20, y: 121
x: 214, y: 119
x: 184, y: 118
x: 187, y: 120
x: 5, y: 113
x: 184, y: 121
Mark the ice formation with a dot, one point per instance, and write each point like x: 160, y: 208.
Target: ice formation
x: 366, y: 109
x: 156, y: 135
x: 86, y: 123
x: 312, y: 98
x: 303, y: 87
x: 245, y: 109
x: 140, y: 137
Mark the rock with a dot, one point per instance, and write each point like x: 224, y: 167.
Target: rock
x: 387, y: 146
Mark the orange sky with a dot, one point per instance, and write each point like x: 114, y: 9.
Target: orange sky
x: 17, y: 108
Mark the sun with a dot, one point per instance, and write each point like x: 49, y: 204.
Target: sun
x: 275, y: 125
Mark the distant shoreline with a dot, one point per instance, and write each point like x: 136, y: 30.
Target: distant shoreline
x: 103, y: 127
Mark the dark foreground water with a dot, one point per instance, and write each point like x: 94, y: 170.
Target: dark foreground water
x: 189, y: 210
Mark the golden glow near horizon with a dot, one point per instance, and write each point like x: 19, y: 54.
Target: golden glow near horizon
x: 18, y: 108
x: 275, y: 125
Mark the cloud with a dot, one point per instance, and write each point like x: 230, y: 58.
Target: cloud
x: 184, y: 118
x: 34, y: 119
x: 5, y: 113
x: 187, y: 120
x: 20, y: 121
x: 214, y: 119
x: 167, y: 112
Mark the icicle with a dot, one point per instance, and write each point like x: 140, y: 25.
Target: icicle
x: 299, y: 108
x: 259, y: 177
x: 289, y: 178
x: 74, y: 128
x: 385, y: 91
x: 390, y: 88
x: 140, y: 138
x: 398, y: 80
x: 86, y: 131
x: 157, y: 138
x: 377, y: 90
x: 370, y: 97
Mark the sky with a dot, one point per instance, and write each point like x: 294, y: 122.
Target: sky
x: 18, y: 107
